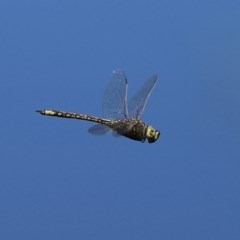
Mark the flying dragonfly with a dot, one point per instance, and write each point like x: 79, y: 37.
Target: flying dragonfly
x: 120, y: 117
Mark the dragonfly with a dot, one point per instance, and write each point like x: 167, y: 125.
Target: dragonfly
x: 121, y: 117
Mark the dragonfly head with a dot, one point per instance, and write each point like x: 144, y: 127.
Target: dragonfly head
x: 152, y: 134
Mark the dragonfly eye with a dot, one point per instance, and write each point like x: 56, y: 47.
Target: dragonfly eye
x: 152, y: 134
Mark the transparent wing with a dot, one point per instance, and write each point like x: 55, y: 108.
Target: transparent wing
x: 115, y: 134
x: 99, y: 129
x: 115, y: 97
x: 138, y: 103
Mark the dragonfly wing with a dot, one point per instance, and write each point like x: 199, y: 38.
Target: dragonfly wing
x: 116, y: 134
x: 138, y: 103
x: 99, y: 129
x: 115, y: 97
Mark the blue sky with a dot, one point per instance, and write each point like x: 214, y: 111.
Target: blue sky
x: 60, y: 182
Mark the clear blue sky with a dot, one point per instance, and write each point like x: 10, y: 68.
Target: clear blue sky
x: 59, y: 182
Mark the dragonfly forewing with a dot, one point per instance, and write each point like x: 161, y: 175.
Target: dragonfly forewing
x: 139, y: 101
x: 114, y: 104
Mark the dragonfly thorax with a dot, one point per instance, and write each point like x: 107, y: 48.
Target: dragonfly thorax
x: 134, y: 129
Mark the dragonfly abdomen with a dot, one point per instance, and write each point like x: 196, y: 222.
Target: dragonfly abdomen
x: 55, y: 113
